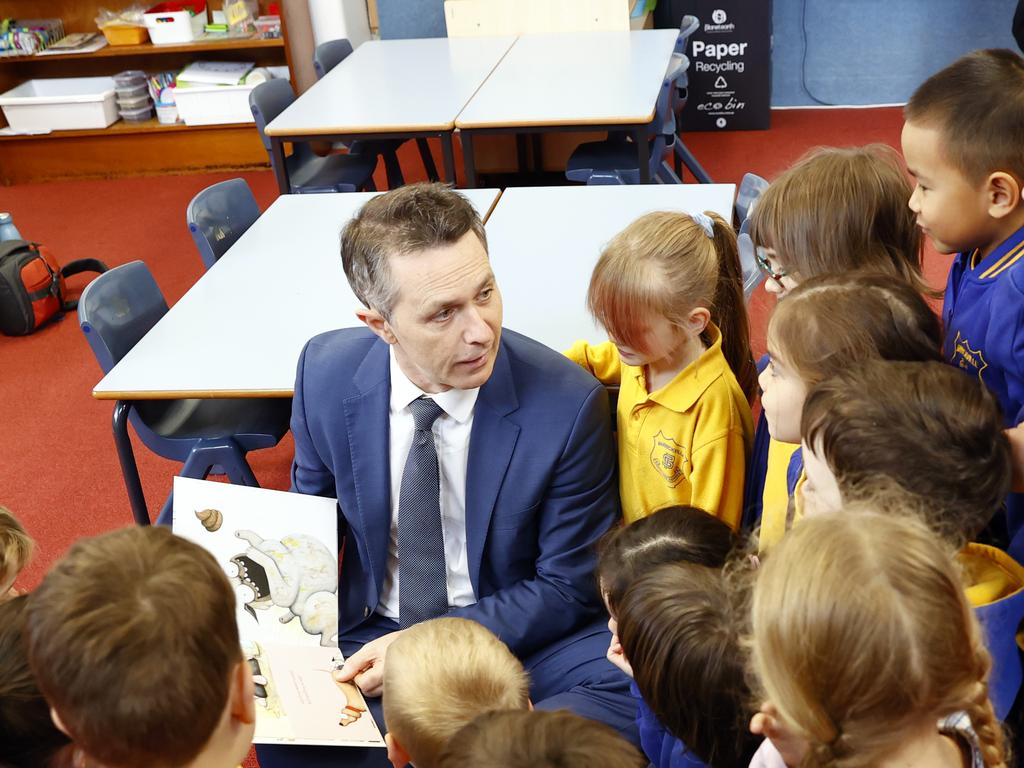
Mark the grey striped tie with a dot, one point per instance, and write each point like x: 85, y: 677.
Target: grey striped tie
x: 422, y: 588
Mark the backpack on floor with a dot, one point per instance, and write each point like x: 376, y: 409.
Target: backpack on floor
x: 32, y: 286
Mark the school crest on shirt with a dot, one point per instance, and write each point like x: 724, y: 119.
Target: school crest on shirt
x: 668, y: 459
x: 966, y: 358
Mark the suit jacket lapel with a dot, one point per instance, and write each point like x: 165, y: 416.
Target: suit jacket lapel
x: 367, y: 422
x: 491, y: 444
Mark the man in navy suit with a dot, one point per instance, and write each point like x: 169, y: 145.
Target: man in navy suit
x: 525, y: 461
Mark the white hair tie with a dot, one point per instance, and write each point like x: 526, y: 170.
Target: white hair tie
x: 704, y: 222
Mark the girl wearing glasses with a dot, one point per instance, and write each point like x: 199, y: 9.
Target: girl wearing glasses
x: 668, y: 289
x: 835, y: 211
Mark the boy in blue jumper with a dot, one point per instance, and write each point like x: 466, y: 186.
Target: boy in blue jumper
x: 963, y: 141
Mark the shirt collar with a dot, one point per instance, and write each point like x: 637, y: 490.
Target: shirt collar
x: 457, y: 403
x: 686, y: 388
x: 1006, y: 254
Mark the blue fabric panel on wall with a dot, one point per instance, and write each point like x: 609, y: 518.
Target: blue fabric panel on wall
x: 876, y: 51
x: 411, y: 18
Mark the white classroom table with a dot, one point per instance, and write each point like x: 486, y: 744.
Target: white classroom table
x: 544, y: 242
x: 239, y: 330
x: 571, y: 81
x: 391, y: 89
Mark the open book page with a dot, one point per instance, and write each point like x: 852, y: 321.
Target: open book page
x: 280, y: 551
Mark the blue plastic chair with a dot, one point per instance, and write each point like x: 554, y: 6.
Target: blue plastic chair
x: 614, y: 160
x: 751, y: 187
x: 326, y: 57
x: 681, y: 154
x: 308, y: 173
x: 115, y: 311
x: 750, y: 190
x: 218, y: 216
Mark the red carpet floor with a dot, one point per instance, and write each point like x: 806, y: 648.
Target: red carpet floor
x: 58, y: 469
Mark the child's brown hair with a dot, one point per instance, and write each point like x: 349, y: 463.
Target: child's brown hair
x: 934, y: 431
x: 535, y: 739
x: 862, y: 633
x: 680, y: 631
x: 665, y: 263
x: 669, y: 535
x: 132, y: 638
x: 16, y: 546
x: 439, y: 675
x: 841, y: 210
x: 30, y: 739
x: 977, y: 105
x: 831, y: 322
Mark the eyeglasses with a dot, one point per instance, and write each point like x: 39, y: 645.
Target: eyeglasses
x: 760, y: 256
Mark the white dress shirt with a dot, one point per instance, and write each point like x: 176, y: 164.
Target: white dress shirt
x: 451, y: 439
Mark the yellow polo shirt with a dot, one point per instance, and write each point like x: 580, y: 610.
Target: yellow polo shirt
x: 686, y: 443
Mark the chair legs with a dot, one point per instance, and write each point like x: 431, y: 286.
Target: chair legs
x: 393, y: 169
x: 223, y: 452
x: 683, y: 154
x: 129, y: 468
x: 428, y: 159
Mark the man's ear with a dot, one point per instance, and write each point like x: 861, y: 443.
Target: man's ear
x: 377, y: 323
x: 1003, y: 194
x: 397, y: 755
x: 698, y: 320
x: 242, y: 696
x: 58, y: 722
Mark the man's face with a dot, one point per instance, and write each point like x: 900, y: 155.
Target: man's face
x: 950, y: 210
x: 446, y: 322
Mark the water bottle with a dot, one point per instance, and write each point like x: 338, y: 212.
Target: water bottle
x: 7, y: 229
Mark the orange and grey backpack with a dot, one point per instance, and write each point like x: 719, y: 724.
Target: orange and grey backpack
x: 32, y: 289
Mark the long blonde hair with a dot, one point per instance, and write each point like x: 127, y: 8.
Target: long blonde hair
x: 861, y: 630
x: 665, y: 263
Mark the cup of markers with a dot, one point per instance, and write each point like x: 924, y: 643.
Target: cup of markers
x: 161, y: 88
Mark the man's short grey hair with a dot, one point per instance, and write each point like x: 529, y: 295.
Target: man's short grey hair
x: 402, y: 221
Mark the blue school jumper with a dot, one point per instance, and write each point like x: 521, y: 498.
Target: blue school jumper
x: 662, y: 748
x: 983, y: 321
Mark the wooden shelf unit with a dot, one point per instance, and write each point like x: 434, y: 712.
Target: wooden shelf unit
x: 126, y: 149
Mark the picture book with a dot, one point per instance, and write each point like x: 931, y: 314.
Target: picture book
x: 280, y: 552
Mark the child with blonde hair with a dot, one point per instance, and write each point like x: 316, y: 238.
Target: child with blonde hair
x: 964, y: 144
x: 923, y: 435
x: 438, y: 676
x: 16, y: 548
x: 669, y: 291
x: 827, y: 324
x: 836, y: 210
x: 534, y: 739
x: 867, y: 652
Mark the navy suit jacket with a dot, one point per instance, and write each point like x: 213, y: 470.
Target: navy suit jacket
x: 540, y: 486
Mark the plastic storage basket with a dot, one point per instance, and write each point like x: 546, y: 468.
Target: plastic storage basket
x: 63, y: 103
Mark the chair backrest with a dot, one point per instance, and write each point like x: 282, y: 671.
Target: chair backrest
x: 750, y: 189
x: 267, y: 101
x: 218, y: 216
x: 330, y: 54
x: 687, y: 26
x: 752, y: 274
x: 117, y: 309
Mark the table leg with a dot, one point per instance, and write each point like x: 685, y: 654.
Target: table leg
x: 129, y: 469
x: 428, y: 158
x: 643, y: 154
x: 536, y: 154
x: 280, y: 166
x: 468, y: 160
x: 448, y: 157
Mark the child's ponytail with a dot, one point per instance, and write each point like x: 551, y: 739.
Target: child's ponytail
x: 979, y: 709
x: 730, y: 309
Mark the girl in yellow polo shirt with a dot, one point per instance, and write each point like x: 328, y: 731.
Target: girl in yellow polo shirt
x: 668, y: 289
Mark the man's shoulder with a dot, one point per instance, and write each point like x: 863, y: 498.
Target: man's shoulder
x: 335, y: 355
x: 536, y: 367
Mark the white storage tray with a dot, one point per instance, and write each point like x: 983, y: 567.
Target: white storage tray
x: 63, y: 103
x: 214, y: 104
